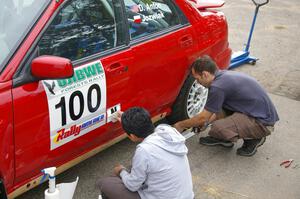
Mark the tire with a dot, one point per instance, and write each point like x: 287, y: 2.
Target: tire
x: 190, y: 101
x: 2, y: 190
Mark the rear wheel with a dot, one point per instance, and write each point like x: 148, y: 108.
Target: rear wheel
x: 190, y: 101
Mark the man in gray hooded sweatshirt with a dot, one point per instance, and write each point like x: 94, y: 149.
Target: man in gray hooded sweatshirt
x: 160, y: 168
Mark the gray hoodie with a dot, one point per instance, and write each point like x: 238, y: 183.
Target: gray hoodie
x: 160, y: 168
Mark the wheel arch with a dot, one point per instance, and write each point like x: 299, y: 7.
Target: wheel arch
x: 177, y: 113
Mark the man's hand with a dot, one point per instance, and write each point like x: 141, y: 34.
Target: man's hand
x: 197, y: 121
x: 178, y: 127
x: 118, y: 169
x: 119, y: 115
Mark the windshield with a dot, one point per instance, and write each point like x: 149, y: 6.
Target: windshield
x: 16, y: 17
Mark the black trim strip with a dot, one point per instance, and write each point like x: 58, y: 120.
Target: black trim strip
x: 125, y: 21
x: 184, y: 19
x: 99, y: 55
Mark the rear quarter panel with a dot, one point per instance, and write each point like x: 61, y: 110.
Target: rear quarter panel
x: 211, y: 29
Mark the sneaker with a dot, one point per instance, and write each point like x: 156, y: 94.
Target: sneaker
x: 103, y: 196
x: 249, y: 147
x: 211, y: 141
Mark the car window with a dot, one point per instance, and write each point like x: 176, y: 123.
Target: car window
x: 82, y: 28
x: 16, y: 19
x: 149, y: 16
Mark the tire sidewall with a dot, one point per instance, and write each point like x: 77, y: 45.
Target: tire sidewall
x: 179, y: 108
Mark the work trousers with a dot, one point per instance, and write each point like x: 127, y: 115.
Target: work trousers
x: 237, y: 126
x: 113, y: 188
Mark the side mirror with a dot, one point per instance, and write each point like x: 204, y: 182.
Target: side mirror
x: 51, y: 67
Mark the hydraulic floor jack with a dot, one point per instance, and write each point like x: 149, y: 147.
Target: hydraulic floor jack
x: 243, y: 57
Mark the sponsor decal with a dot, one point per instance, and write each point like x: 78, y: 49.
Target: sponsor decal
x: 50, y: 87
x: 82, y: 76
x: 77, y: 105
x: 76, y: 129
x: 92, y: 122
x: 63, y: 134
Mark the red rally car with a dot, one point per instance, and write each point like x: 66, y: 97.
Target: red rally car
x: 67, y: 65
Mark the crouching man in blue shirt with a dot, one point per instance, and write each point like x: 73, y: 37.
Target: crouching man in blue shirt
x: 237, y: 106
x: 160, y: 167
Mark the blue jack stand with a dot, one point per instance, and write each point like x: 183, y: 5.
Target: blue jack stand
x: 243, y: 57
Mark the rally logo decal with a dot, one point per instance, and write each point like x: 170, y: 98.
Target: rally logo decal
x: 76, y: 105
x: 76, y: 129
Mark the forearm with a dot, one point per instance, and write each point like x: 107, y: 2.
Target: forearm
x: 196, y: 121
x: 130, y: 181
x: 134, y: 179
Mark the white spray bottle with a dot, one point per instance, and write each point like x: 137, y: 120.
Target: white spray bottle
x: 52, y: 192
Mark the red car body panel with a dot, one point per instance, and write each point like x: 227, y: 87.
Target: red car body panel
x: 159, y: 70
x: 6, y: 135
x: 33, y: 149
x: 24, y: 119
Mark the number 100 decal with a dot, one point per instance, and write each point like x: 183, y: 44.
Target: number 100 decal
x: 75, y: 116
x: 76, y: 105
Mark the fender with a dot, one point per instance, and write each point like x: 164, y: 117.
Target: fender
x: 204, y: 4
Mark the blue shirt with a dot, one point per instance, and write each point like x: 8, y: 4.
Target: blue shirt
x: 239, y: 92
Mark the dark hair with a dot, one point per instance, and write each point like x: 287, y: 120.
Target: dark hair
x: 204, y: 63
x: 137, y: 121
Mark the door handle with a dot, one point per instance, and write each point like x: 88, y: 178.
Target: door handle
x: 117, y: 68
x: 186, y: 41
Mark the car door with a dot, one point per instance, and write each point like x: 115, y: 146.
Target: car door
x: 163, y: 44
x: 60, y: 119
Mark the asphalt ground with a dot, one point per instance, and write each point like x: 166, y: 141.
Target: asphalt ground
x: 219, y: 172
